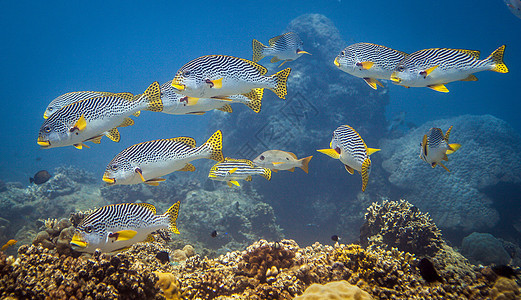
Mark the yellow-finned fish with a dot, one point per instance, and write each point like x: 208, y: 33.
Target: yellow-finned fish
x: 147, y: 162
x: 231, y: 170
x: 349, y: 147
x: 435, y: 147
x: 276, y: 160
x: 285, y: 47
x: 119, y: 226
x: 435, y: 67
x: 69, y: 98
x: 90, y: 119
x: 178, y: 104
x: 8, y: 244
x: 219, y: 76
x: 369, y: 62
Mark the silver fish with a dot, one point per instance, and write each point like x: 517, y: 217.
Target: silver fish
x: 435, y: 147
x: 281, y: 160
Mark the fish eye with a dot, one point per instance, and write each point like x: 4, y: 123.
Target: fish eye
x: 114, y: 167
x: 47, y: 128
x: 262, y: 157
x: 88, y: 229
x: 50, y: 108
x: 343, y: 53
x: 400, y: 68
x: 186, y: 73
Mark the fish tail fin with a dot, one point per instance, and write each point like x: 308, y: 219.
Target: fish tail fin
x: 366, y: 168
x: 453, y: 148
x: 152, y: 97
x: 267, y: 173
x: 305, y: 163
x: 258, y: 48
x: 256, y: 99
x: 281, y: 79
x: 215, y: 143
x: 172, y: 213
x: 496, y: 60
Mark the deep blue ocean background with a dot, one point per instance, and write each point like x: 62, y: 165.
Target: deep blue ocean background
x: 51, y: 48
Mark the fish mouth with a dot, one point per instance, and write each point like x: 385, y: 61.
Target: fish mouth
x: 109, y: 180
x: 178, y: 86
x: 45, y: 116
x: 212, y: 175
x: 43, y: 143
x: 78, y: 242
x: 336, y: 62
x: 303, y: 52
x: 395, y: 78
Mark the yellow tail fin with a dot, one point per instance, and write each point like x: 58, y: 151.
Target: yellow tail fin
x: 256, y: 99
x: 152, y: 96
x: 215, y: 142
x: 454, y: 147
x: 497, y: 60
x: 172, y: 213
x: 281, y: 79
x: 305, y: 163
x: 258, y: 47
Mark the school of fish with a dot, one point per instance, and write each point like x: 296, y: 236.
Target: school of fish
x: 214, y: 82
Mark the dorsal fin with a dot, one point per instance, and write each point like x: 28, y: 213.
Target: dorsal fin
x: 148, y: 206
x: 249, y: 162
x: 127, y: 96
x: 190, y: 142
x: 262, y: 70
x: 273, y: 40
x: 447, y: 134
x: 292, y: 155
x: 474, y: 53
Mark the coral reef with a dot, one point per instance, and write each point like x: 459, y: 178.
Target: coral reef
x: 334, y: 290
x: 484, y: 248
x: 56, y: 234
x: 489, y: 157
x: 400, y: 225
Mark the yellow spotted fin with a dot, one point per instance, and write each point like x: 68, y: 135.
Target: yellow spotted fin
x: 226, y: 108
x: 113, y: 134
x: 366, y: 165
x: 281, y: 79
x: 127, y: 122
x: 188, y: 168
x: 496, y: 59
x: 152, y: 96
x: 172, y: 214
x: 256, y: 99
x: 215, y: 143
x: 266, y: 174
x: 258, y: 48
x: 248, y: 178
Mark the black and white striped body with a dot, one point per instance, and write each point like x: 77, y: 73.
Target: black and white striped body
x: 69, y: 98
x: 101, y: 115
x: 154, y: 159
x: 100, y: 228
x: 178, y: 104
x: 383, y: 59
x: 285, y: 47
x: 436, y: 148
x: 350, y: 146
x: 235, y: 169
x: 239, y: 76
x: 451, y: 65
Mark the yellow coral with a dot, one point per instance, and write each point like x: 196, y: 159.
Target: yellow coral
x: 334, y: 290
x: 169, y: 285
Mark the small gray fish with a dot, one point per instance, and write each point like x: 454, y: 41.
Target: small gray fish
x: 435, y: 67
x: 435, y: 147
x: 349, y: 147
x: 119, y: 226
x: 40, y: 177
x: 69, y: 98
x: 286, y: 47
x: 369, y: 62
x: 231, y: 170
x: 281, y: 160
x: 219, y: 76
x: 147, y: 162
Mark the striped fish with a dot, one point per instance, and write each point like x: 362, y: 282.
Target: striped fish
x: 178, y: 104
x: 147, y: 162
x: 348, y: 146
x: 220, y: 76
x: 69, y: 98
x: 369, y: 62
x: 286, y: 47
x: 231, y: 170
x: 90, y: 119
x: 119, y: 226
x: 435, y: 147
x: 435, y: 67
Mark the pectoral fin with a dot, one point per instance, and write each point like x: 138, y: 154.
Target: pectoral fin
x: 123, y: 235
x: 138, y: 170
x: 217, y: 83
x: 232, y: 170
x: 439, y: 88
x: 274, y: 60
x: 234, y: 182
x: 428, y: 71
x: 80, y: 125
x: 331, y: 152
x: 154, y: 181
x: 366, y: 65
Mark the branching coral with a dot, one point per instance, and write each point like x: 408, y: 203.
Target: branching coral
x: 400, y: 225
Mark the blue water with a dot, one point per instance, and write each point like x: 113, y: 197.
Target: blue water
x: 50, y: 48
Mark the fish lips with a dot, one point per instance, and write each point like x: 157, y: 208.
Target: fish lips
x: 394, y: 78
x: 78, y: 242
x: 336, y: 62
x: 43, y: 143
x: 109, y: 180
x: 176, y: 85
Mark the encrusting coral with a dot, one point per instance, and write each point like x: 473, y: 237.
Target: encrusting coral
x: 334, y: 290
